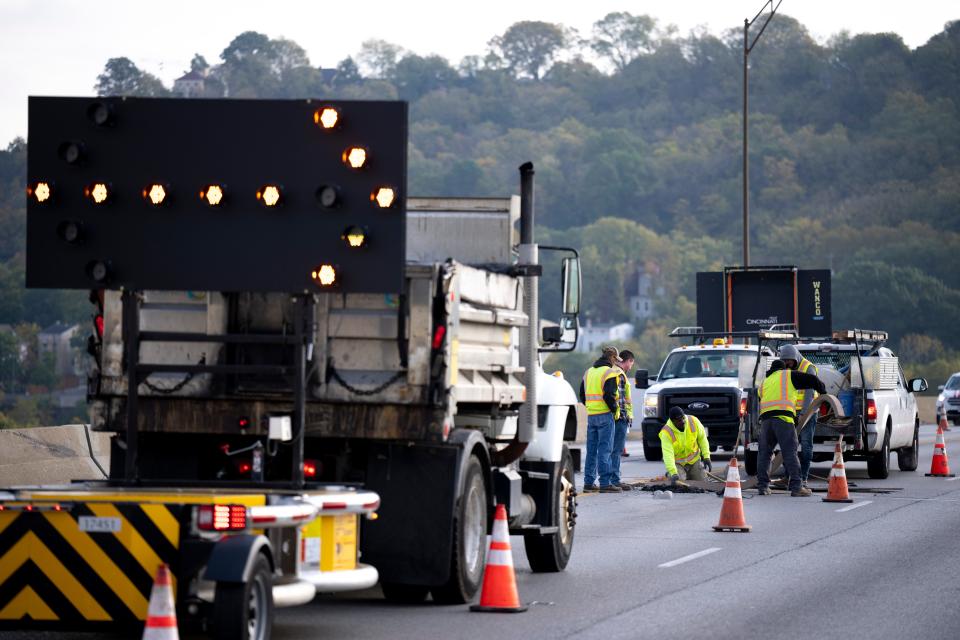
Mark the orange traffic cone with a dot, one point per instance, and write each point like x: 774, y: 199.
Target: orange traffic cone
x: 161, y: 614
x: 499, y: 594
x: 731, y: 513
x: 837, y: 490
x: 943, y: 423
x: 939, y: 466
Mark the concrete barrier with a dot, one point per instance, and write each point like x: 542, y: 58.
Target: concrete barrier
x: 52, y: 455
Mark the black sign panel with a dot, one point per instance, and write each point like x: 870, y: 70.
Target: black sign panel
x: 254, y: 195
x: 815, y: 318
x: 710, y: 301
x: 760, y: 299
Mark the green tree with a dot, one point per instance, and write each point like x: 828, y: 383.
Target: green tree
x: 199, y: 64
x: 379, y: 58
x: 121, y: 77
x: 620, y: 37
x: 9, y: 361
x: 415, y: 76
x: 530, y: 47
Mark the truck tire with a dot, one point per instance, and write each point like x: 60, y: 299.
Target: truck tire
x: 244, y: 610
x: 908, y: 457
x: 550, y: 553
x: 404, y: 593
x: 468, y: 554
x: 651, y: 452
x: 878, y: 464
x: 750, y: 462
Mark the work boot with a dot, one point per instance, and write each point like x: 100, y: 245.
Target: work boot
x: 625, y: 486
x: 763, y: 491
x: 610, y: 488
x: 802, y: 492
x: 625, y: 453
x: 590, y: 488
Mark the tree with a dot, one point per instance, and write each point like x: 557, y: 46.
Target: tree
x: 379, y: 58
x: 530, y: 47
x: 121, y: 77
x: 415, y: 76
x: 9, y: 361
x: 199, y: 64
x: 620, y: 37
x: 347, y: 73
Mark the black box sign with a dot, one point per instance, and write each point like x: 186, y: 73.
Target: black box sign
x: 220, y: 195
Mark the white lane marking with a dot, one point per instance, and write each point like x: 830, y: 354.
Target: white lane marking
x: 953, y: 479
x: 692, y: 556
x: 855, y: 505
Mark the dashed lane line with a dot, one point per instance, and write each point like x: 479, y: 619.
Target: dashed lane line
x: 692, y: 556
x: 855, y: 505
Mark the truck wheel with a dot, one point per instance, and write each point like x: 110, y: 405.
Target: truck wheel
x: 878, y: 464
x: 468, y: 555
x: 907, y: 458
x: 750, y: 462
x: 550, y: 553
x: 244, y: 611
x: 404, y: 593
x: 651, y: 452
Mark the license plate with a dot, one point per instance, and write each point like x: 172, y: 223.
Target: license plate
x: 92, y: 524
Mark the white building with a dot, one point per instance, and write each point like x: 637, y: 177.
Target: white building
x: 56, y: 339
x: 189, y: 85
x: 595, y: 336
x: 643, y: 287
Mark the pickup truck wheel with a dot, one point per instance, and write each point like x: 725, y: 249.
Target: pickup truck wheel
x: 468, y: 554
x: 550, y: 553
x: 244, y: 610
x: 652, y: 452
x: 908, y: 458
x: 750, y: 462
x: 404, y: 593
x: 878, y: 464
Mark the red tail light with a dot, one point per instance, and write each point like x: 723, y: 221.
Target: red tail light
x: 871, y: 411
x: 244, y: 467
x: 309, y: 469
x: 438, y: 336
x: 743, y: 407
x: 824, y: 409
x: 222, y: 517
x: 98, y: 323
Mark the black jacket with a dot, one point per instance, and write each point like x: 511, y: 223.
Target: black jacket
x: 609, y: 388
x: 800, y: 380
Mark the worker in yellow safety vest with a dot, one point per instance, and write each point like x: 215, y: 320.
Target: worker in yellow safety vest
x: 684, y: 443
x: 794, y: 360
x: 778, y: 414
x: 625, y: 420
x: 598, y: 392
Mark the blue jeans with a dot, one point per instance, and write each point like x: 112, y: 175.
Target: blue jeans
x: 599, y: 445
x: 806, y: 447
x: 775, y: 431
x: 619, y: 440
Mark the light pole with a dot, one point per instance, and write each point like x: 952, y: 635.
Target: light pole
x: 747, y: 48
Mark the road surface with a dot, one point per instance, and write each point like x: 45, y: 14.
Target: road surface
x: 886, y: 566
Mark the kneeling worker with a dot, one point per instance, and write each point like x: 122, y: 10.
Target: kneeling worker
x: 683, y: 441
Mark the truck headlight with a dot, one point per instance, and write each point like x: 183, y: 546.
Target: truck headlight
x: 650, y: 402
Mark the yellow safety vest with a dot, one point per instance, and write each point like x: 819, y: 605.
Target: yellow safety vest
x: 617, y: 372
x: 593, y: 389
x: 778, y: 394
x: 684, y: 446
x: 806, y: 367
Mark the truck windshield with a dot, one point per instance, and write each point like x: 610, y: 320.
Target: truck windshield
x: 704, y: 364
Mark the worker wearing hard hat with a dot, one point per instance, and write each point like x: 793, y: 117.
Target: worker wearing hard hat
x: 598, y: 392
x: 683, y: 441
x: 794, y: 361
x: 778, y: 414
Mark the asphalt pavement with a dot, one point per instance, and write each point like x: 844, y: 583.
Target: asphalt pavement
x: 885, y: 566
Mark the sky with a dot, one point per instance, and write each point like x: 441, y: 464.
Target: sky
x: 58, y: 47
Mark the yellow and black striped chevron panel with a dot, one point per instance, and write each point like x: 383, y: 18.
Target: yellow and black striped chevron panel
x: 52, y: 571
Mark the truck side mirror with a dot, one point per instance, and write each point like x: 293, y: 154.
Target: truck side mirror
x: 918, y: 385
x: 641, y: 379
x: 552, y: 334
x: 571, y: 286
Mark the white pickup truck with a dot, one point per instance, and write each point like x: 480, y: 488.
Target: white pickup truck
x: 866, y: 377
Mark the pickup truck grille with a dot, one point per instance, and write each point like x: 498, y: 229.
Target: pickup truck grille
x: 719, y: 406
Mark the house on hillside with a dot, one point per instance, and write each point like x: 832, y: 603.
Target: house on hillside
x: 56, y: 339
x: 644, y: 286
x: 190, y: 85
x: 594, y: 336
